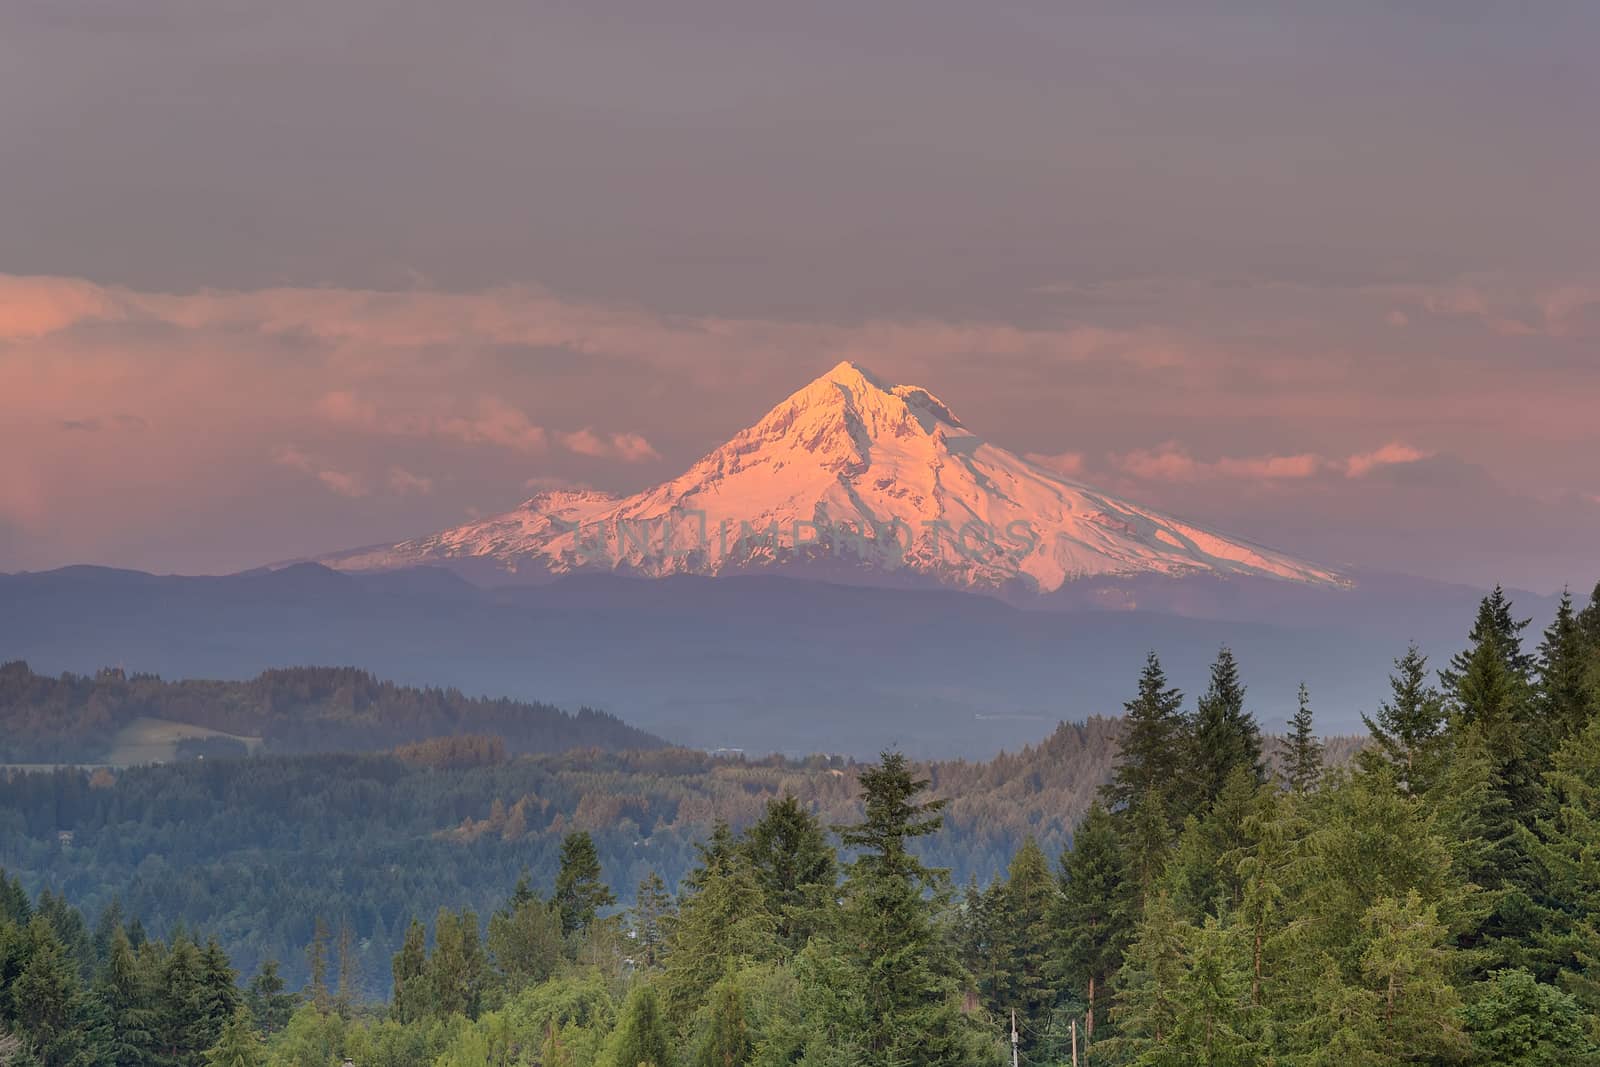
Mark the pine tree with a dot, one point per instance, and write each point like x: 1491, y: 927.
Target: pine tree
x: 1148, y: 1000
x: 1409, y: 730
x: 220, y: 993
x: 652, y: 914
x: 457, y: 970
x: 238, y: 1045
x: 1517, y: 1022
x: 888, y: 940
x: 122, y: 1007
x: 1147, y: 840
x: 1406, y: 965
x: 719, y: 928
x: 1093, y: 912
x: 411, y: 999
x: 1212, y: 1030
x: 795, y: 868
x: 1566, y: 698
x: 725, y: 1038
x: 270, y: 1006
x: 1565, y: 847
x: 579, y: 893
x: 1152, y: 746
x: 1301, y: 750
x: 1030, y: 906
x: 642, y: 1037
x: 525, y: 942
x: 46, y: 997
x: 1226, y: 736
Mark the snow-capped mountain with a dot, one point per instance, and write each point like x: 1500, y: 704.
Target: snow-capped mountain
x: 849, y: 475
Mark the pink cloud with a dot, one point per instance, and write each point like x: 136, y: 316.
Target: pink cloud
x: 628, y: 447
x: 1171, y: 462
x: 1391, y: 454
x: 343, y: 483
x: 405, y: 483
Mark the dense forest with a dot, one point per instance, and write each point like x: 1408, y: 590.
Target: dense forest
x: 1225, y: 899
x: 76, y: 718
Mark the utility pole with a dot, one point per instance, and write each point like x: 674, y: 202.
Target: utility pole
x: 1074, y: 1043
x: 1013, y: 1037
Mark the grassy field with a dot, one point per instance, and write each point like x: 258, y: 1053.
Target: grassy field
x: 156, y: 741
x: 145, y: 740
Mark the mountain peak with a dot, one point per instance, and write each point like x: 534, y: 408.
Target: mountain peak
x: 850, y: 472
x: 849, y: 373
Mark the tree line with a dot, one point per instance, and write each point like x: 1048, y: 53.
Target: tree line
x: 73, y: 718
x: 1435, y: 901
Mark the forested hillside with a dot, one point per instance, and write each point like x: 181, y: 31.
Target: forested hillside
x: 1435, y: 901
x: 74, y: 718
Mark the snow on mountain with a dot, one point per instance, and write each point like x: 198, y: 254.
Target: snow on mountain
x: 849, y: 473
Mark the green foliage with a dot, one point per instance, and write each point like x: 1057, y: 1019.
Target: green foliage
x: 580, y: 894
x: 1225, y: 735
x: 238, y: 1046
x: 1409, y: 731
x: 642, y: 1037
x: 1150, y: 760
x: 1354, y: 918
x: 1517, y: 1022
x: 1301, y: 750
x: 794, y: 867
x: 1093, y: 913
x: 525, y: 942
x: 893, y: 955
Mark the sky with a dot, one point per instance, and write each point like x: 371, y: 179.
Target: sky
x: 280, y: 279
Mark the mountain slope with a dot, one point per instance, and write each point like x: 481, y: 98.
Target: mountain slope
x: 849, y: 474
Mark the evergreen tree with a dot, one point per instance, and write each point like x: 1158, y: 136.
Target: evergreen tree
x: 888, y: 940
x: 184, y: 1028
x: 719, y: 928
x: 1029, y: 907
x: 1516, y: 1022
x: 46, y: 998
x: 1226, y: 736
x: 652, y: 915
x: 795, y: 868
x: 270, y: 1005
x: 220, y: 993
x: 642, y: 1037
x: 1409, y: 731
x: 122, y: 1009
x: 1487, y: 689
x: 725, y: 1038
x: 1566, y: 697
x: 457, y: 970
x: 1152, y: 747
x: 1406, y: 966
x: 1212, y: 1030
x: 1147, y: 841
x: 980, y: 938
x: 1093, y: 912
x: 238, y: 1045
x: 1148, y: 1000
x: 1301, y: 750
x: 580, y: 893
x: 1565, y: 847
x: 411, y: 998
x: 525, y: 942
